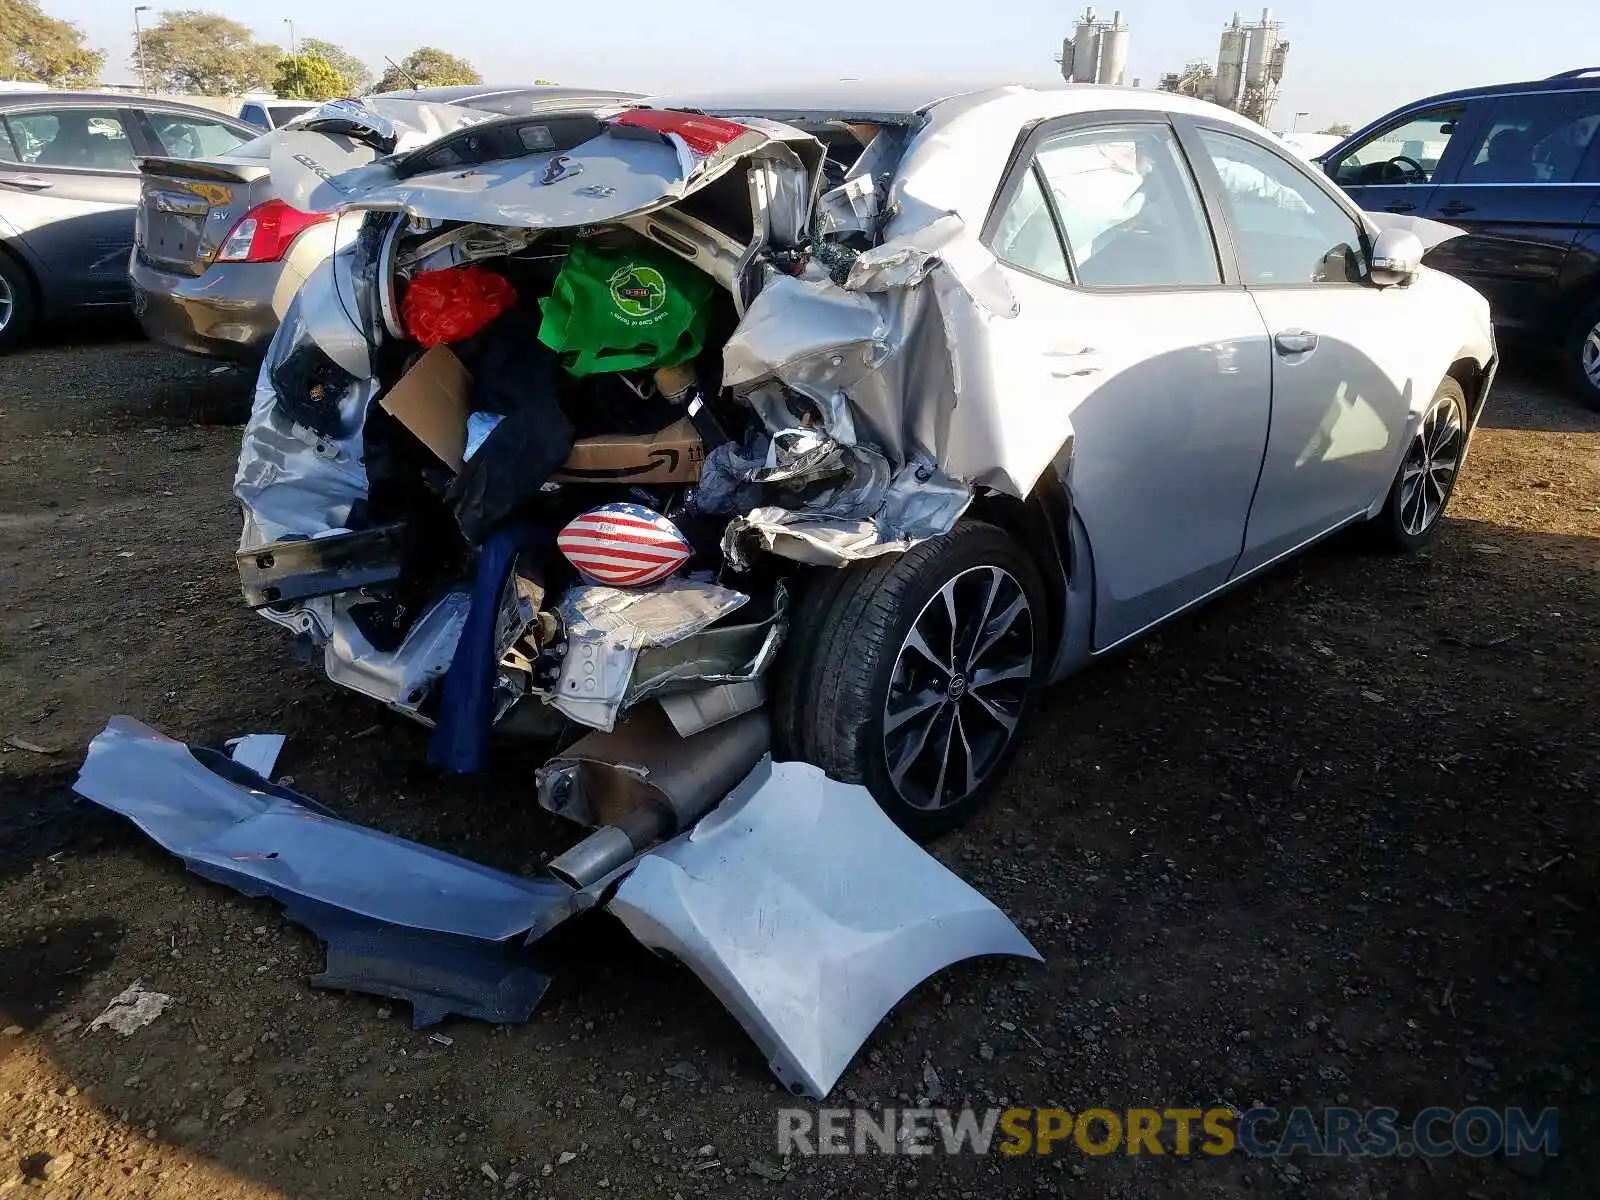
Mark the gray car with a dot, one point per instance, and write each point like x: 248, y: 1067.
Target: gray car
x: 219, y: 255
x: 1008, y: 377
x: 68, y: 186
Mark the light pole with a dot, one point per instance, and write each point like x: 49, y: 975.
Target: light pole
x: 1295, y: 124
x: 138, y: 46
x: 290, y: 24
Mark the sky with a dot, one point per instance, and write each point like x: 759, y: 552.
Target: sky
x: 1348, y: 62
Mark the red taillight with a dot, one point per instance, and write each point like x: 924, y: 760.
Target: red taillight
x: 265, y: 232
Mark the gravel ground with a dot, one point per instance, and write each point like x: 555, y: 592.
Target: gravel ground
x: 1331, y: 840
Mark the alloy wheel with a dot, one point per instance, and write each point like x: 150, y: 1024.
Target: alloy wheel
x: 1431, y: 464
x: 959, y: 687
x: 1591, y: 355
x: 8, y: 303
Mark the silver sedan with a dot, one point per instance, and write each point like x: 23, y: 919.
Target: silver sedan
x: 1030, y: 370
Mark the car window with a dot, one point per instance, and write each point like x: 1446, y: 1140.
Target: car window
x: 254, y: 114
x: 1405, y: 153
x: 1539, y: 138
x: 8, y: 152
x: 1288, y: 230
x: 282, y: 114
x: 1128, y: 206
x: 1026, y: 235
x: 90, y: 138
x: 185, y: 136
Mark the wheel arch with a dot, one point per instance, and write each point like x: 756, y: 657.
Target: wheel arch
x: 12, y: 253
x: 1047, y: 525
x: 1472, y: 375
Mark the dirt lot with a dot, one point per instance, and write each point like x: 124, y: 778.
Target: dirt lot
x: 1331, y: 840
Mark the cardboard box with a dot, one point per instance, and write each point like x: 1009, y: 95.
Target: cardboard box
x: 432, y: 400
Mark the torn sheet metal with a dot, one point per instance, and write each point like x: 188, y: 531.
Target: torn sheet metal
x: 291, y: 480
x: 919, y: 503
x: 639, y: 161
x: 922, y: 340
x: 400, y: 919
x: 738, y: 652
x: 606, y: 628
x: 403, y: 677
x: 807, y: 913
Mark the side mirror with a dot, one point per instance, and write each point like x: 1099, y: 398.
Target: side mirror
x: 1396, y: 257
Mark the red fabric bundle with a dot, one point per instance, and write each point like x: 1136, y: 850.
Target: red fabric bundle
x: 454, y: 303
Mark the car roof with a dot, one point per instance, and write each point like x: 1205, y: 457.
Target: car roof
x: 904, y: 102
x: 10, y: 99
x: 461, y: 93
x: 1583, y: 79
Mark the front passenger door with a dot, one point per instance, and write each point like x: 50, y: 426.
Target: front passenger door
x: 1349, y: 360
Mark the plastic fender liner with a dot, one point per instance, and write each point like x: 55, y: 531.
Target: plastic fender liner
x: 809, y: 915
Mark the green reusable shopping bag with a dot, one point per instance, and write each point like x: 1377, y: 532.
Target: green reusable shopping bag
x: 625, y: 307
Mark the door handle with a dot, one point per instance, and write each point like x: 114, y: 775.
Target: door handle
x: 1455, y: 208
x: 1295, y: 341
x: 28, y: 183
x: 1080, y: 360
x: 1400, y: 206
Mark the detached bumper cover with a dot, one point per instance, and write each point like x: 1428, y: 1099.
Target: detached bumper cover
x: 400, y: 919
x: 809, y: 915
x: 796, y: 900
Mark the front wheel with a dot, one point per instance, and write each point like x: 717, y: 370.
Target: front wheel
x: 1427, y: 476
x: 1581, y: 356
x: 915, y: 674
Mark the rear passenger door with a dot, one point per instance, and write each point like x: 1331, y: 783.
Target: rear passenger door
x: 1155, y: 352
x: 69, y: 186
x: 1519, y: 194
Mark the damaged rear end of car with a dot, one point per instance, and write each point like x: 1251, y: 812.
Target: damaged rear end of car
x: 556, y: 445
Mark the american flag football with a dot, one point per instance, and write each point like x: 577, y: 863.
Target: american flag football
x: 624, y: 545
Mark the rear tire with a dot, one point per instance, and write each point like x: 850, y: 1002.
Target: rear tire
x: 1427, y: 476
x: 875, y: 662
x: 16, y: 303
x: 1580, y: 355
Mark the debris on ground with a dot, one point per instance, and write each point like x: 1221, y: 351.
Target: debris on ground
x: 132, y: 1009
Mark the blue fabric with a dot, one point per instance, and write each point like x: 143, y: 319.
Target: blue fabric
x: 460, y: 741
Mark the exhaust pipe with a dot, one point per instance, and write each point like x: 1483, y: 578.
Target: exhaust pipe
x: 642, y: 783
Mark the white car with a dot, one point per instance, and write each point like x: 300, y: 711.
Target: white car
x: 1011, y: 376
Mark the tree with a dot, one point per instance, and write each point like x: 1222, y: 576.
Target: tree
x: 429, y: 67
x: 1338, y: 130
x: 308, y: 77
x: 35, y: 46
x: 356, y: 74
x: 193, y: 51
